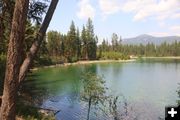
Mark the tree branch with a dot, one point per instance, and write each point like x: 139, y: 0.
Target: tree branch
x: 54, y: 111
x: 39, y: 38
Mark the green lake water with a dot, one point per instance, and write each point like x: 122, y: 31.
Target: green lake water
x: 147, y: 86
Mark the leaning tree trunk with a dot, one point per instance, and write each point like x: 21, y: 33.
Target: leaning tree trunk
x: 14, y: 73
x: 7, y: 110
x: 39, y: 38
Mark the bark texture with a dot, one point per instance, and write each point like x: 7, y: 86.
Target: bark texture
x: 7, y: 110
x: 39, y: 38
x: 15, y: 72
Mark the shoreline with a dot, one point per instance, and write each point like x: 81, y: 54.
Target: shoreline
x: 166, y: 57
x: 82, y: 63
x: 102, y: 61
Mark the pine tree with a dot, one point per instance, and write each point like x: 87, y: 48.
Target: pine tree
x: 71, y: 45
x: 14, y: 59
x: 84, y: 42
x: 114, y: 42
x: 53, y: 38
x: 78, y: 43
x: 62, y: 50
x: 91, y: 40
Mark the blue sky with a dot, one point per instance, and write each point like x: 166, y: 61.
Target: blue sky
x: 127, y: 18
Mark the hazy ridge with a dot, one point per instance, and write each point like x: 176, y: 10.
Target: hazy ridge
x: 145, y: 39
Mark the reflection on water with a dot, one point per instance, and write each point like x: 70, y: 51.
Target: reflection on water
x: 147, y: 86
x: 32, y: 92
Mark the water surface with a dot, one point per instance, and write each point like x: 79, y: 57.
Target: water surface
x: 148, y: 86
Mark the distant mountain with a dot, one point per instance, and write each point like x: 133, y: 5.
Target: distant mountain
x: 145, y: 39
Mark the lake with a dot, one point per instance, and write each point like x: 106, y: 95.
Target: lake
x: 147, y: 86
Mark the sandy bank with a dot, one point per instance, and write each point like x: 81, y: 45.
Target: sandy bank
x: 167, y: 57
x: 84, y: 62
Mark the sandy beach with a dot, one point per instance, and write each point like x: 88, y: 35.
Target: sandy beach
x: 167, y: 57
x: 83, y: 62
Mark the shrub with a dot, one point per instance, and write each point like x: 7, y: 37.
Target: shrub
x: 43, y: 60
x: 113, y: 56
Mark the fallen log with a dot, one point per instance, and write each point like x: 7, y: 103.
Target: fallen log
x: 47, y: 111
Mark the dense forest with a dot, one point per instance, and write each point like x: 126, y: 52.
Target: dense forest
x: 84, y: 45
x: 23, y: 25
x: 149, y: 49
x: 78, y: 45
x: 22, y: 32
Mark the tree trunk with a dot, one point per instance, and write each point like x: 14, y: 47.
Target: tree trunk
x: 39, y: 38
x: 7, y: 110
x: 89, y: 107
x: 14, y: 73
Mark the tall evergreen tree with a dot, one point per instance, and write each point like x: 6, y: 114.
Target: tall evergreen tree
x: 35, y: 12
x: 78, y: 44
x: 62, y: 50
x: 91, y: 40
x: 14, y: 59
x: 53, y: 42
x: 71, y: 43
x: 114, y: 42
x: 84, y: 43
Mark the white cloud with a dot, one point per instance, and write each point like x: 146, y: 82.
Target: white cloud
x: 142, y: 9
x: 109, y: 6
x: 159, y: 10
x: 171, y: 30
x: 86, y: 10
x: 176, y: 16
x: 175, y: 28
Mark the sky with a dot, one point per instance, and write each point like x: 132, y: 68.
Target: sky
x: 127, y: 18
